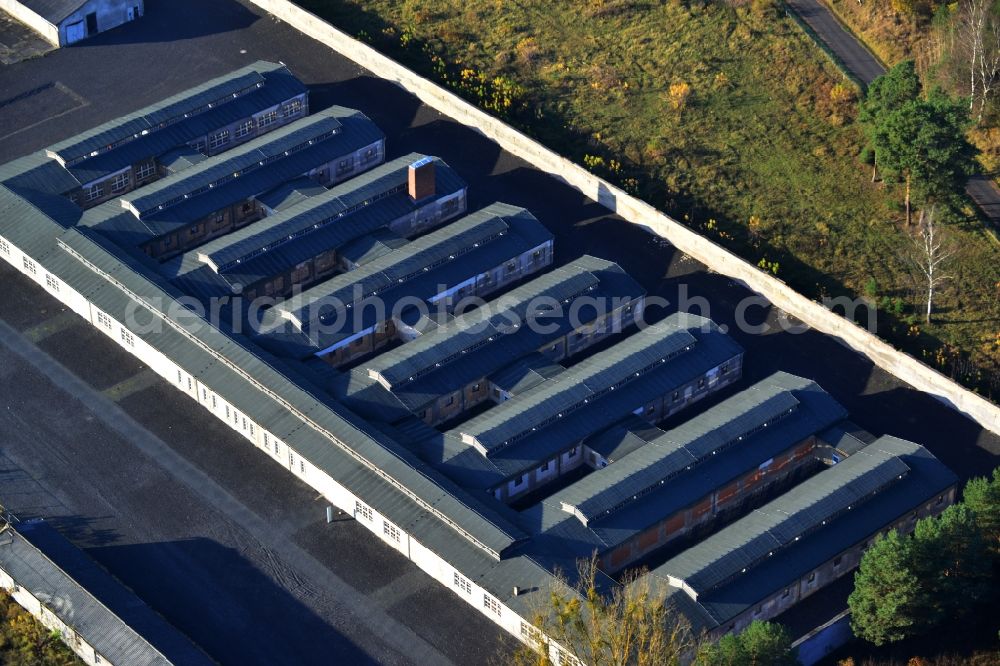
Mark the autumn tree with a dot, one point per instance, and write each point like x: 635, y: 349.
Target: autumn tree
x: 979, y: 34
x: 630, y: 625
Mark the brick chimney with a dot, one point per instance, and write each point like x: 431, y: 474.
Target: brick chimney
x: 421, y: 178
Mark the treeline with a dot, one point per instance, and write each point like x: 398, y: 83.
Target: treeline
x: 947, y: 570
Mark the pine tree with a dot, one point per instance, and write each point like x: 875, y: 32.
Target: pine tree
x: 759, y: 644
x: 982, y: 497
x: 887, y: 596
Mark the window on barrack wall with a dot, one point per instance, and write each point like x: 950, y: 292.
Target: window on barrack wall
x: 28, y: 264
x: 120, y: 182
x: 218, y: 140
x: 363, y: 510
x: 390, y: 530
x: 95, y: 192
x: 491, y: 604
x: 293, y: 108
x: 4, y: 247
x: 463, y: 583
x: 268, y: 118
x: 145, y: 171
x: 243, y: 129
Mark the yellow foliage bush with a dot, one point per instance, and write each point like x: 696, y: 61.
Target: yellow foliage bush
x: 679, y: 94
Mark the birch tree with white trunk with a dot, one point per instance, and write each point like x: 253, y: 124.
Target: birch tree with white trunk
x: 930, y: 256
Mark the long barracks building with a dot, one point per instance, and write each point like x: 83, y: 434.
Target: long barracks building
x: 488, y: 450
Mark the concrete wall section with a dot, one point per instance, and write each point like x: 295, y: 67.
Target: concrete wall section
x: 714, y: 256
x: 48, y: 31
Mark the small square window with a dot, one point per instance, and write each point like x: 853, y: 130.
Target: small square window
x: 218, y: 140
x: 390, y: 530
x: 145, y: 170
x: 363, y: 510
x: 492, y: 605
x: 243, y: 129
x: 462, y: 583
x: 268, y: 118
x: 95, y: 191
x: 120, y: 182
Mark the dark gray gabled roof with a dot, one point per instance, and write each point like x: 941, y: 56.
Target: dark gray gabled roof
x: 236, y: 163
x: 328, y: 219
x: 324, y: 432
x: 780, y: 523
x: 333, y: 312
x: 732, y: 422
x: 156, y: 117
x: 923, y: 478
x: 590, y: 378
x: 105, y: 614
x: 493, y: 336
x: 559, y: 433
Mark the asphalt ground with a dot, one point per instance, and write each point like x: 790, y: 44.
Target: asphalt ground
x: 256, y: 564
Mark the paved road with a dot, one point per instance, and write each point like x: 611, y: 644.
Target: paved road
x: 198, y: 557
x: 856, y: 57
x: 858, y: 60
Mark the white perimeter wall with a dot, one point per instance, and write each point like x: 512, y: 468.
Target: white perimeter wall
x: 48, y: 31
x: 717, y: 258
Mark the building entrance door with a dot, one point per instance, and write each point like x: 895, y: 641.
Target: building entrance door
x: 75, y: 32
x: 92, y: 23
